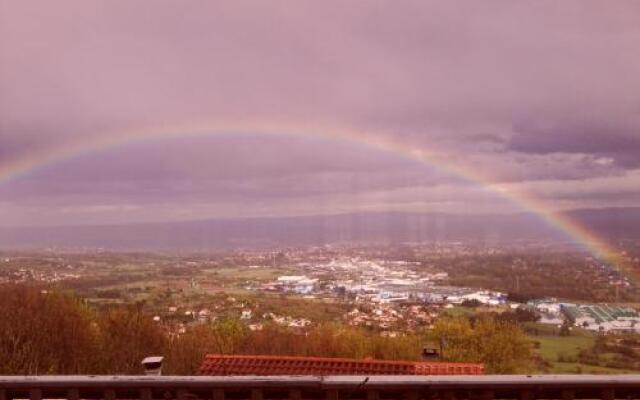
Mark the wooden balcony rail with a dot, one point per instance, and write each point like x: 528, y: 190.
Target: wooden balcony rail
x: 565, y: 387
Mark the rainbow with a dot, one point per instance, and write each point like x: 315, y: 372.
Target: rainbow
x: 582, y: 236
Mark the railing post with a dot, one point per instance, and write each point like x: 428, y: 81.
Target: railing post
x: 486, y: 395
x: 568, y: 394
x: 607, y: 394
x: 448, y: 395
x: 218, y: 394
x: 73, y: 394
x: 109, y: 394
x: 145, y: 394
x: 332, y: 394
x: 35, y: 394
x: 411, y: 395
x: 526, y: 394
x: 182, y: 394
x: 256, y: 394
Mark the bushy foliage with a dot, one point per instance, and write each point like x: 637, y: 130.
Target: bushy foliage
x: 44, y: 333
x: 500, y: 345
x: 57, y: 333
x: 621, y: 351
x: 471, y: 303
x: 519, y: 315
x: 126, y: 335
x: 325, y: 340
x: 534, y: 275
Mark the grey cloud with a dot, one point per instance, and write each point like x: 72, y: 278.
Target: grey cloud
x: 515, y: 91
x: 221, y: 167
x: 621, y: 143
x: 489, y: 138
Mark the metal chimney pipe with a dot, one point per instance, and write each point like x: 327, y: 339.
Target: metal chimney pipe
x: 153, y: 365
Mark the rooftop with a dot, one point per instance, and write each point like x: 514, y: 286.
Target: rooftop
x: 215, y: 364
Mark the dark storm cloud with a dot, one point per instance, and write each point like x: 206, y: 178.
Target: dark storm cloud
x: 621, y: 143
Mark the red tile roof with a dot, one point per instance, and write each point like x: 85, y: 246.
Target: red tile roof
x: 215, y: 364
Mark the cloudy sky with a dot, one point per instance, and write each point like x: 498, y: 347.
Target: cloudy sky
x: 539, y: 97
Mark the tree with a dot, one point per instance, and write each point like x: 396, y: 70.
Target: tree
x: 186, y: 351
x: 520, y: 314
x: 565, y: 329
x: 500, y: 345
x: 126, y: 336
x: 471, y: 303
x: 454, y: 335
x: 44, y: 332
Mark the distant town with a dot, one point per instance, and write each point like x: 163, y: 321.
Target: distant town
x: 389, y: 291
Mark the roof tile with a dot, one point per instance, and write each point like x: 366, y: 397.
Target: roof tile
x: 215, y: 364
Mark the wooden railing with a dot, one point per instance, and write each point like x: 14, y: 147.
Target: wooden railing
x: 485, y: 387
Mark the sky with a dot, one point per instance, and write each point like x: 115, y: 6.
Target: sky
x: 537, y: 97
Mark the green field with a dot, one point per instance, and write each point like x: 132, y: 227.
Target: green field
x: 561, y: 352
x: 265, y: 273
x: 459, y: 311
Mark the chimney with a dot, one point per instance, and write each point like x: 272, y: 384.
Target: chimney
x: 153, y: 365
x: 430, y: 354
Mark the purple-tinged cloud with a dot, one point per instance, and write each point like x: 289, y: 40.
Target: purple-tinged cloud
x: 523, y: 93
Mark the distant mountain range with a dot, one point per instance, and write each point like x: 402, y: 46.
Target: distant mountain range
x: 391, y: 227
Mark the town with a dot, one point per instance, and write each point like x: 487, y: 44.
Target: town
x: 390, y: 291
x: 368, y: 286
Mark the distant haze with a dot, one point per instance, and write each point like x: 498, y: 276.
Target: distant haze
x: 393, y: 228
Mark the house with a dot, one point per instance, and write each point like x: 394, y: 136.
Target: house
x: 550, y: 319
x: 216, y: 365
x: 603, y: 317
x: 296, y: 283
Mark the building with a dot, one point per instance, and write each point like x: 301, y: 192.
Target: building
x: 296, y: 283
x: 603, y: 317
x: 216, y: 365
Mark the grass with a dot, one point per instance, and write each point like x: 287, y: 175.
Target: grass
x: 537, y: 329
x: 460, y: 311
x: 561, y: 352
x: 554, y: 347
x: 577, y: 368
x: 265, y: 273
